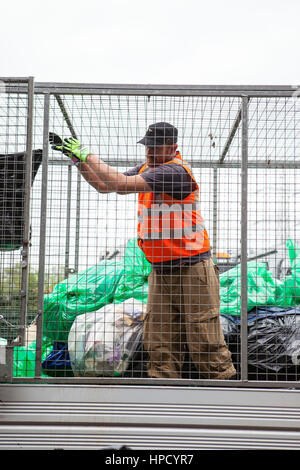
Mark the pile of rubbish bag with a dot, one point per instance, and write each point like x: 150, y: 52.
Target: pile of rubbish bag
x: 114, y: 281
x: 273, y: 342
x: 262, y: 288
x: 110, y: 281
x: 102, y: 343
x: 83, y: 311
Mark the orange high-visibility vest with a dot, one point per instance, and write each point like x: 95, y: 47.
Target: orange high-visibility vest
x: 169, y: 228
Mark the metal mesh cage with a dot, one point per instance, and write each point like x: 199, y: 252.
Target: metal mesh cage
x: 88, y: 281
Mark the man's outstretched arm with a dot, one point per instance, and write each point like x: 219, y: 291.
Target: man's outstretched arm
x: 92, y: 178
x: 113, y: 179
x: 104, y: 178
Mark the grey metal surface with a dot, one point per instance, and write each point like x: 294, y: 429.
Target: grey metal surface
x: 68, y: 219
x: 27, y: 196
x: 42, y: 246
x: 95, y: 417
x: 215, y: 213
x: 165, y: 90
x: 77, y: 227
x: 15, y: 79
x: 61, y: 437
x: 244, y: 241
x: 125, y: 381
x: 8, y: 370
x: 157, y: 90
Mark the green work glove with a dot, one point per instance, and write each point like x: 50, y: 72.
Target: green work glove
x: 70, y: 147
x: 75, y: 149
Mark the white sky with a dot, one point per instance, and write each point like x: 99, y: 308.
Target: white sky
x: 159, y: 41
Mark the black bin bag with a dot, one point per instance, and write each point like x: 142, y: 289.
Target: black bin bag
x: 12, y: 196
x: 274, y: 347
x: 273, y: 343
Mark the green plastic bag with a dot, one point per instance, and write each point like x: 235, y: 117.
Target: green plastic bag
x: 24, y: 358
x: 294, y: 253
x: 261, y: 288
x: 254, y: 267
x: 288, y: 292
x: 109, y: 281
x: 128, y: 288
x: 80, y: 293
x: 288, y: 289
x: 135, y: 262
x: 137, y: 268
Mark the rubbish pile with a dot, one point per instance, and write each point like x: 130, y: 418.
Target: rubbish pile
x: 262, y: 288
x: 102, y: 343
x: 94, y: 319
x: 110, y: 281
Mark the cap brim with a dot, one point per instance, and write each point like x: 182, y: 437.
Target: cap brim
x: 147, y: 143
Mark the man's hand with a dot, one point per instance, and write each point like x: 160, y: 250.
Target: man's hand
x: 70, y: 147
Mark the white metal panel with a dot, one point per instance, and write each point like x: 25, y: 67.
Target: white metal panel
x: 100, y: 437
x: 93, y: 417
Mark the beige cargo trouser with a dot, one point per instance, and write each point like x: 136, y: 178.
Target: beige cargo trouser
x: 183, y: 311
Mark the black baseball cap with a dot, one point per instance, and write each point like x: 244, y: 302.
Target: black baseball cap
x: 159, y: 134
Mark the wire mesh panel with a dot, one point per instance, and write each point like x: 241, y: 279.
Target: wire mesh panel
x: 120, y: 299
x: 273, y: 236
x: 18, y: 168
x: 93, y: 236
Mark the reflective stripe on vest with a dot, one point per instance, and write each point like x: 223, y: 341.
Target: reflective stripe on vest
x: 170, y: 221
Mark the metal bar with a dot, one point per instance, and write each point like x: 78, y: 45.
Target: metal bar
x: 163, y: 90
x: 263, y: 255
x: 155, y: 382
x: 65, y: 114
x: 244, y: 244
x: 77, y: 227
x: 15, y: 79
x: 9, y: 361
x: 42, y: 247
x: 68, y: 220
x: 277, y: 165
x: 215, y: 212
x: 231, y: 135
x: 126, y: 86
x: 78, y: 194
x: 27, y: 191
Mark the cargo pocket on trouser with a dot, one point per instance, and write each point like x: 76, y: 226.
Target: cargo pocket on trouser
x: 208, y: 348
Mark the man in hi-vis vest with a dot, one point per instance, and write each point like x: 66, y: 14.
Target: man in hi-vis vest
x: 183, y: 309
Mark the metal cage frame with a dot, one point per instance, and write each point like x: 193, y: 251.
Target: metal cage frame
x: 58, y: 90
